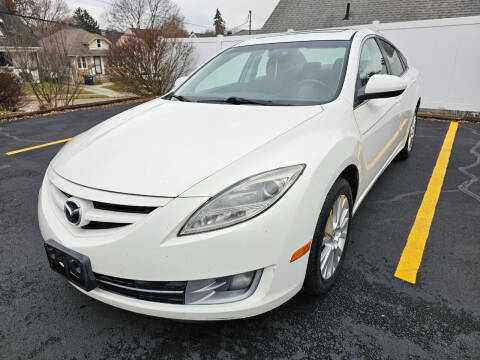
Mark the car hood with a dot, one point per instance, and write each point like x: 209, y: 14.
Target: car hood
x: 162, y: 148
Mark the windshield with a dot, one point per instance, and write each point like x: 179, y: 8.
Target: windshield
x: 295, y: 73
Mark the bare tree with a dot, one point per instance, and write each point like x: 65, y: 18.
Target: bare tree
x: 140, y: 14
x: 149, y: 61
x: 50, y: 73
x: 49, y: 10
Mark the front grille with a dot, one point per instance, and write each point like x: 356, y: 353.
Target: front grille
x: 171, y: 292
x: 97, y: 225
x: 123, y: 208
x: 105, y: 216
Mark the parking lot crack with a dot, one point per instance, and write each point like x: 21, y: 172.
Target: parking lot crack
x: 10, y: 136
x: 408, y: 194
x: 465, y: 186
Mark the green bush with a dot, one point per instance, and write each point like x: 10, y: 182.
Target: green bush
x: 11, y: 91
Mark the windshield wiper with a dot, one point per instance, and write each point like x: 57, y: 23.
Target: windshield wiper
x: 180, y: 98
x: 240, y: 101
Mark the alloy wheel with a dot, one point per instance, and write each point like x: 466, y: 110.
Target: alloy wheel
x: 411, y: 135
x: 335, y: 236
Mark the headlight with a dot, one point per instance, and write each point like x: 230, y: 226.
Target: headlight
x: 243, y: 200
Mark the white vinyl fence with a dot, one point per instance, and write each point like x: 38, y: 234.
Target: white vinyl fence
x: 446, y: 51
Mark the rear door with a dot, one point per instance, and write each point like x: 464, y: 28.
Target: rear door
x: 407, y: 101
x: 377, y: 119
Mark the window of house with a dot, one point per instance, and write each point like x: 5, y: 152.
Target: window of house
x: 393, y: 58
x: 99, y: 43
x: 81, y: 62
x: 3, y: 31
x: 5, y: 59
x: 98, y: 64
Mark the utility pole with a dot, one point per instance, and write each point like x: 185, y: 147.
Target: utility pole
x: 249, y: 22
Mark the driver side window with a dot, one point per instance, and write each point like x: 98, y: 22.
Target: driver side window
x: 371, y: 63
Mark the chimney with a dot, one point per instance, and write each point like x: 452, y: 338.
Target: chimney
x: 10, y: 4
x: 347, y: 12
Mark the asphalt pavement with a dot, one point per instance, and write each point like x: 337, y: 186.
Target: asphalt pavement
x: 369, y: 314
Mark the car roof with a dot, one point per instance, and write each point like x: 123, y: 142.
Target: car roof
x: 313, y: 35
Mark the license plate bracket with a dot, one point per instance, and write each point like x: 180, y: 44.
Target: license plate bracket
x: 74, y: 266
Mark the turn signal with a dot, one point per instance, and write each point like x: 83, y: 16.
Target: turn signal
x: 300, y: 252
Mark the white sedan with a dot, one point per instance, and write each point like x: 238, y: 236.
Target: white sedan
x: 234, y: 191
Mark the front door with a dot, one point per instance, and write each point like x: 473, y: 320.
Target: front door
x: 98, y: 64
x: 376, y: 118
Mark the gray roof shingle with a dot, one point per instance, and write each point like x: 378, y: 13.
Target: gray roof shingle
x: 75, y: 40
x: 318, y: 14
x: 17, y: 34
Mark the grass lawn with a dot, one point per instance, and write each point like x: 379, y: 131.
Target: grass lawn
x: 27, y: 89
x: 115, y: 87
x: 81, y: 96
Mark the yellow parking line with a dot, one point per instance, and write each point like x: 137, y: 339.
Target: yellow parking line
x: 411, y: 258
x: 37, y: 146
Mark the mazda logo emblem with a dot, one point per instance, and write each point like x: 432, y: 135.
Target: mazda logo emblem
x: 72, y: 212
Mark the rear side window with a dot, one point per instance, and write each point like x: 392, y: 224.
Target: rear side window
x: 371, y: 62
x: 393, y: 58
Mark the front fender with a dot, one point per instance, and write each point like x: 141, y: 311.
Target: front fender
x: 326, y: 149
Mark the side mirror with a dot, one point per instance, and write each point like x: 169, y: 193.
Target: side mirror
x: 180, y: 81
x: 383, y: 86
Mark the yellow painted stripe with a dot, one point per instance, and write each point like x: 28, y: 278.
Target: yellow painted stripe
x: 38, y: 146
x: 411, y: 258
x: 387, y: 145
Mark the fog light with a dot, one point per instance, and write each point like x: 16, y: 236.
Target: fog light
x: 241, y: 281
x: 222, y: 290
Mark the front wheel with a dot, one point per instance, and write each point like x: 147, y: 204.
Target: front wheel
x: 330, y: 239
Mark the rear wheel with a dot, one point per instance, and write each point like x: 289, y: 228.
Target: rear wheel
x: 330, y: 239
x: 405, y: 153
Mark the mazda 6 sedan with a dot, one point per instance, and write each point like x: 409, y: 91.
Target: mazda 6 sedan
x: 237, y: 189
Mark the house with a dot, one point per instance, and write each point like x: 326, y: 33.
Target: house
x: 194, y: 35
x: 247, y: 32
x: 87, y: 51
x: 318, y: 14
x: 17, y: 42
x: 112, y: 35
x: 167, y: 31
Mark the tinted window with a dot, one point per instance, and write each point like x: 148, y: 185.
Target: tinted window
x: 294, y: 73
x: 371, y: 62
x: 393, y: 58
x: 228, y: 73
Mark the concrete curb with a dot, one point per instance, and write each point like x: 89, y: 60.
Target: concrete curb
x: 18, y: 116
x: 451, y: 115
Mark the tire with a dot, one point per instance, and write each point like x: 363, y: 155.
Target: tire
x: 404, y: 154
x: 318, y: 281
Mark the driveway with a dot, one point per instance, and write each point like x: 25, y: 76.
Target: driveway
x: 101, y: 90
x: 370, y: 314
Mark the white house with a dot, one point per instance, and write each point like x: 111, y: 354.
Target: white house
x: 88, y: 51
x: 16, y: 41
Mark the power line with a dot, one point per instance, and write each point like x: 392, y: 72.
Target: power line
x: 67, y: 24
x: 105, y: 2
x: 36, y: 18
x: 203, y: 26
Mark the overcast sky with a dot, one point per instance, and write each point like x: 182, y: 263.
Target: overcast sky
x: 200, y: 12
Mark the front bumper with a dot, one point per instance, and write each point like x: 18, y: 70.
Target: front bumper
x: 150, y: 250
